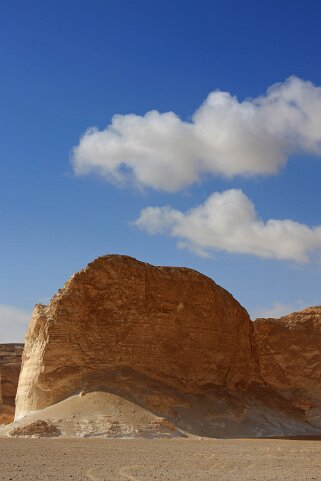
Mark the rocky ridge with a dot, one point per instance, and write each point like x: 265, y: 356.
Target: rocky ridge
x: 288, y: 351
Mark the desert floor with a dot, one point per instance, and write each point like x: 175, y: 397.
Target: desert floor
x: 164, y: 460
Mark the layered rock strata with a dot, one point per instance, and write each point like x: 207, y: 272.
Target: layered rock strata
x: 173, y: 342
x: 120, y: 322
x: 10, y: 363
x: 289, y: 356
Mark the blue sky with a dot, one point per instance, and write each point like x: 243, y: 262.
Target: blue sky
x: 68, y: 66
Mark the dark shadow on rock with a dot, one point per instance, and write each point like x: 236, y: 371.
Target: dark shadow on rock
x: 212, y: 412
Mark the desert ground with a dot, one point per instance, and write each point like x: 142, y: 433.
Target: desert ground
x: 162, y: 459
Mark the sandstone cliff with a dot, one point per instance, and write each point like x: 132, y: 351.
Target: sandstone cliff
x: 121, y: 322
x: 172, y: 342
x: 289, y: 356
x: 10, y: 362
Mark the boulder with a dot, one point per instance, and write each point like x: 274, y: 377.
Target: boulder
x: 36, y: 429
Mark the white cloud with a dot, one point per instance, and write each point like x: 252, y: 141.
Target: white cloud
x: 225, y: 137
x: 228, y: 222
x: 13, y: 323
x: 277, y: 310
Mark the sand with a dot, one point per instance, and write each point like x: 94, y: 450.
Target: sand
x: 75, y: 456
x: 96, y: 414
x: 161, y: 460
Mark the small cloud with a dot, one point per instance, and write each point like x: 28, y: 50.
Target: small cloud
x: 13, y: 323
x: 277, y: 310
x: 227, y: 221
x: 224, y: 137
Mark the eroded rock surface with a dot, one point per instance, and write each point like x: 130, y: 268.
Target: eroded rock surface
x: 10, y: 363
x: 121, y: 322
x: 289, y: 355
x: 173, y: 342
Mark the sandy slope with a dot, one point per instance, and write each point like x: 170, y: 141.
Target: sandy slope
x: 95, y: 414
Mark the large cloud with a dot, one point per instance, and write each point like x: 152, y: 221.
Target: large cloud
x: 224, y: 137
x: 228, y: 222
x: 13, y: 323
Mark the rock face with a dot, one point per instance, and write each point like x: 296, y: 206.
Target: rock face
x: 121, y: 321
x: 10, y: 363
x: 289, y: 355
x: 172, y: 342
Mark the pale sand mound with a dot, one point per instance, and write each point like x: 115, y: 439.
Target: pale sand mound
x: 93, y: 414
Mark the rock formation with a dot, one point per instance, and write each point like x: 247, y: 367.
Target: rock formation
x: 10, y: 362
x: 172, y: 342
x: 36, y: 429
x: 289, y: 356
x: 121, y: 322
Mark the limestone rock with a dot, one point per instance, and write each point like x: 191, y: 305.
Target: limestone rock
x: 10, y: 363
x: 289, y: 356
x: 128, y: 327
x: 169, y: 341
x: 36, y: 429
